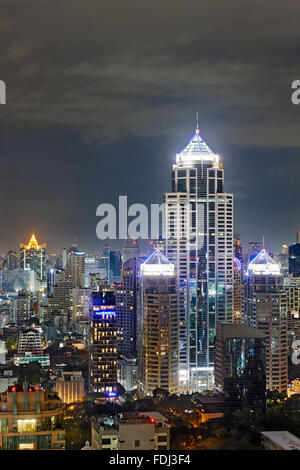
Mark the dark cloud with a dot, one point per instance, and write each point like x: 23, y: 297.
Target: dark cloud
x: 100, y: 95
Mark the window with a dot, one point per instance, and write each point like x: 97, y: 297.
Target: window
x: 105, y: 441
x: 161, y: 438
x: 137, y: 443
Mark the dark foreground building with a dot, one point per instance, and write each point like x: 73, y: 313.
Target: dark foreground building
x: 240, y: 366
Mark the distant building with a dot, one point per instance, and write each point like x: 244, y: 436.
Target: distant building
x: 240, y: 366
x: 115, y: 266
x: 128, y: 372
x: 33, y: 256
x: 75, y: 268
x: 210, y: 407
x: 280, y: 440
x: 30, y: 341
x: 238, y: 291
x: 294, y: 257
x: 18, y: 280
x: 130, y: 250
x: 21, y: 307
x: 70, y: 387
x: 127, y: 295
x: 30, y: 419
x: 131, y: 431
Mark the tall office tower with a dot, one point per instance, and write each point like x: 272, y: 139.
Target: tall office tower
x: 127, y: 292
x: 115, y: 266
x: 240, y: 366
x: 21, y: 307
x: 237, y: 248
x: 283, y: 259
x: 59, y: 298
x: 199, y: 241
x: 158, y: 326
x: 33, y: 256
x: 75, y: 268
x: 238, y: 291
x: 91, y: 267
x: 292, y: 290
x: 103, y: 343
x: 30, y: 341
x: 130, y: 250
x: 81, y: 301
x: 294, y: 257
x: 104, y: 261
x: 266, y: 310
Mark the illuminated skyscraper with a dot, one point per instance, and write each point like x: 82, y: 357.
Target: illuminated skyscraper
x: 33, y: 256
x: 199, y: 241
x: 103, y: 343
x: 266, y: 310
x: 158, y: 326
x: 127, y: 292
x: 238, y: 291
x: 75, y: 268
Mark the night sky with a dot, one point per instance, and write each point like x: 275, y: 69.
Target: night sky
x: 101, y: 94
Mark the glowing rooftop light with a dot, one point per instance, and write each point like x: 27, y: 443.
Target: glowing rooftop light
x: 157, y: 265
x: 197, y: 150
x: 264, y: 264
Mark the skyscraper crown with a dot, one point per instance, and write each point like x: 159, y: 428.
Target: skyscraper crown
x: 157, y: 264
x: 264, y: 264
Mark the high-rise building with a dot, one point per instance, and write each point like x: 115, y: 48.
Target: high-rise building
x: 294, y: 257
x: 91, y: 267
x: 33, y: 256
x: 292, y: 290
x: 238, y: 291
x: 199, y: 241
x: 130, y: 250
x: 21, y: 307
x: 81, y: 301
x: 240, y: 366
x: 103, y: 343
x: 75, y: 268
x: 158, y: 326
x: 115, y: 266
x: 127, y: 292
x: 266, y: 310
x: 237, y: 248
x: 12, y: 260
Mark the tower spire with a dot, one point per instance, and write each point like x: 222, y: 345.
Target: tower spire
x: 197, y: 122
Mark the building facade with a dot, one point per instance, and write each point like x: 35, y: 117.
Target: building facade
x: 33, y: 256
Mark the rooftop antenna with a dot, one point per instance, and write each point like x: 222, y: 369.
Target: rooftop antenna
x: 197, y: 122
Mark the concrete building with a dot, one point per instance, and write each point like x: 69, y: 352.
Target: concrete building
x: 131, y: 431
x: 70, y: 387
x: 30, y: 419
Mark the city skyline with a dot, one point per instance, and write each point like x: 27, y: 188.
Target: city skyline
x: 124, y: 97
